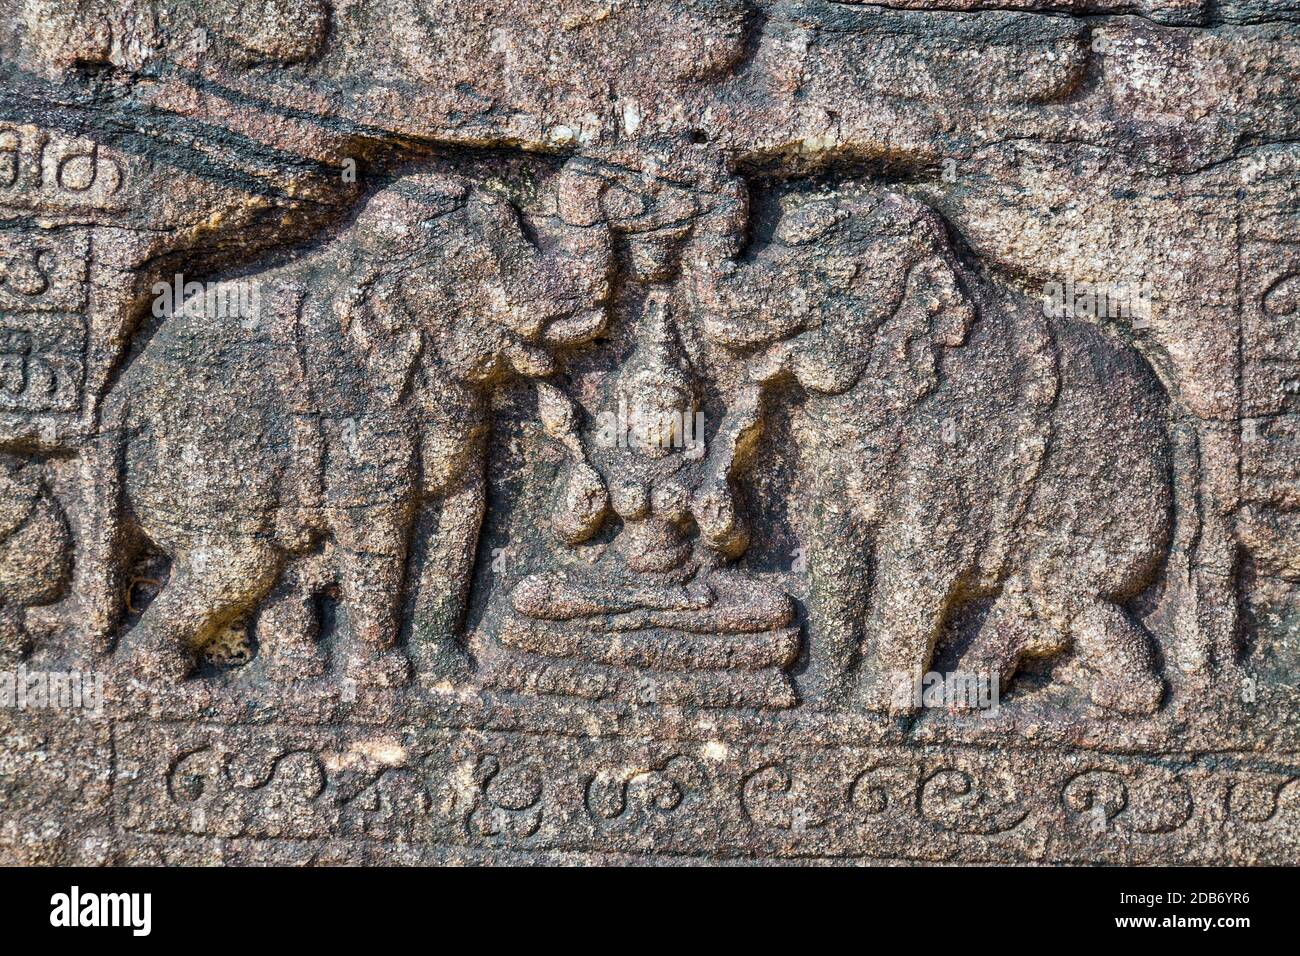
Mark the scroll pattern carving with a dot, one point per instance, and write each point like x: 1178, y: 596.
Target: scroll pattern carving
x: 970, y: 804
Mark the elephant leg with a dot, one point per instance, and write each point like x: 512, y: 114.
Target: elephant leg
x: 446, y: 571
x: 372, y: 575
x: 209, y: 587
x: 288, y: 630
x: 1118, y: 654
x: 1012, y: 632
x: 912, y: 596
x: 838, y: 565
x: 1000, y: 644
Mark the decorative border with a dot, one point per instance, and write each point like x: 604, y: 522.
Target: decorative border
x: 401, y: 793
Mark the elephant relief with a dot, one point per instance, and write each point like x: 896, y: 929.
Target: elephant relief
x: 982, y: 449
x: 333, y: 422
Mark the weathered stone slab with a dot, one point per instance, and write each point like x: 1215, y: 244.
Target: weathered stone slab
x: 649, y: 431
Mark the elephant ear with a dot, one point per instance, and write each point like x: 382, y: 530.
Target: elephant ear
x: 934, y: 315
x: 509, y: 264
x: 865, y: 287
x: 907, y: 266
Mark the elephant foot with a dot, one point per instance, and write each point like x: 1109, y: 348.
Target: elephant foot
x: 1116, y: 654
x: 154, y: 660
x: 294, y: 663
x: 443, y: 662
x: 883, y: 694
x: 1137, y: 695
x: 373, y: 668
x: 990, y: 669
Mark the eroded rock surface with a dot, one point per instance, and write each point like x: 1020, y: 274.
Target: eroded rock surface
x: 695, y: 429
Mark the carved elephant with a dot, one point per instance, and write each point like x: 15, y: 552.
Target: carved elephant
x: 984, y: 450
x: 326, y: 423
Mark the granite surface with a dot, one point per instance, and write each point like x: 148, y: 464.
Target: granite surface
x: 649, y: 431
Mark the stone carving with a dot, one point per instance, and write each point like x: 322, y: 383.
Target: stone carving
x: 1163, y: 801
x: 932, y: 387
x: 956, y: 802
x: 612, y: 797
x: 658, y: 605
x: 357, y: 397
x: 35, y: 553
x: 633, y: 427
x: 88, y: 32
